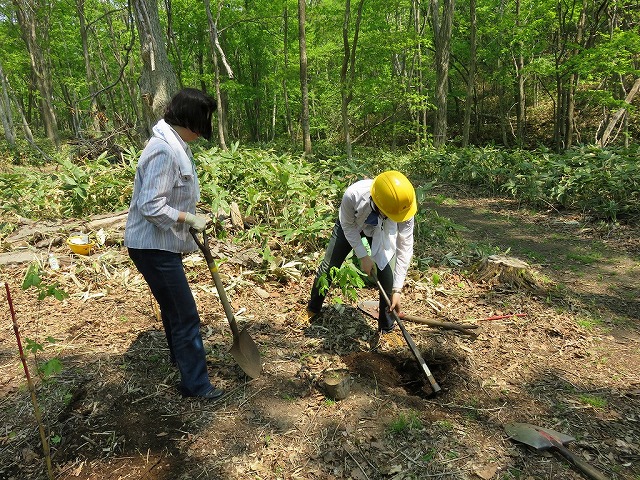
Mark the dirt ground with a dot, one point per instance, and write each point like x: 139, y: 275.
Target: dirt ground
x: 569, y: 362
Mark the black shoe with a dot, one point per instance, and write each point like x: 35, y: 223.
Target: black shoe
x: 213, y: 394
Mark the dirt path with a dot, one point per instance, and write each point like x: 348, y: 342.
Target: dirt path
x: 598, y: 264
x: 570, y: 363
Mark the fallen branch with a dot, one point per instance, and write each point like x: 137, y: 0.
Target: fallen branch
x: 463, y: 328
x: 500, y: 317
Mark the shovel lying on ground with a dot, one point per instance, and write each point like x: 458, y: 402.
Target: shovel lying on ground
x: 370, y: 307
x: 434, y: 385
x: 243, y: 350
x: 544, y: 438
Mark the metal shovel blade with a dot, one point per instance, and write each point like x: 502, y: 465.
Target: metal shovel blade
x: 244, y: 350
x: 246, y: 354
x: 544, y: 438
x: 530, y: 435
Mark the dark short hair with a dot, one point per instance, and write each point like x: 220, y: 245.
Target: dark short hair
x: 191, y: 108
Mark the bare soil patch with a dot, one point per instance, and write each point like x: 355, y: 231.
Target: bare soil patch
x: 571, y: 363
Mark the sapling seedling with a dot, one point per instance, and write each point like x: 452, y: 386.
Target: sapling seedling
x: 32, y: 390
x: 33, y: 279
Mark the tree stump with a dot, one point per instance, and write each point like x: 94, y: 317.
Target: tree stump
x: 505, y: 271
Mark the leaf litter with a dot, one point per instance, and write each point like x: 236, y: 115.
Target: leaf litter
x: 116, y: 412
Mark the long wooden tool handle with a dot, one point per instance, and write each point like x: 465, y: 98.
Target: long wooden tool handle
x: 438, y: 323
x: 213, y: 268
x: 587, y: 469
x: 434, y: 385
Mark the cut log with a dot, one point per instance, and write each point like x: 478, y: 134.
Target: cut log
x: 112, y: 221
x: 504, y: 271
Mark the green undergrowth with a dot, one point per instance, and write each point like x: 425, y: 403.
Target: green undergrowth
x: 604, y: 183
x: 290, y: 201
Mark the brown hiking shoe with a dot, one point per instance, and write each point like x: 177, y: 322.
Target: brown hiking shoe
x: 387, y: 341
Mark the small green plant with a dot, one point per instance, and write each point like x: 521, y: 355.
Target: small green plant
x: 348, y: 277
x: 589, y: 323
x: 45, y: 369
x: 33, y: 279
x: 588, y: 258
x: 405, y: 423
x: 428, y: 456
x: 593, y: 401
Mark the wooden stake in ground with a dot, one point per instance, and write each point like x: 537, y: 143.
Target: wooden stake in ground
x: 32, y: 390
x: 505, y: 271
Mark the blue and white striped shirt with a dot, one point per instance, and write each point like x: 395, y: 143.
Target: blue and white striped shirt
x: 160, y: 192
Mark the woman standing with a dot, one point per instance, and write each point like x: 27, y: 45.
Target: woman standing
x: 161, y: 212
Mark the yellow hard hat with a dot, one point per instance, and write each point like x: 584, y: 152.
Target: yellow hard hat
x: 394, y: 195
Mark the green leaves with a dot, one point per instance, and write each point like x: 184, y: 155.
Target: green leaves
x: 348, y: 278
x: 32, y: 279
x: 284, y: 195
x: 602, y: 182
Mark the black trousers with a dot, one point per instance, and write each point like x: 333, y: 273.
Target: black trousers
x: 337, y: 251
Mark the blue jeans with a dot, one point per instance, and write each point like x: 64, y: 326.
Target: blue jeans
x: 337, y: 251
x: 164, y: 273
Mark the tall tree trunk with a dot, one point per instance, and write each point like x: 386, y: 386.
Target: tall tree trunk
x: 158, y: 81
x: 304, y: 83
x: 213, y: 35
x: 572, y: 84
x: 621, y: 113
x: 471, y: 80
x: 285, y: 93
x: 93, y: 101
x: 172, y: 45
x: 347, y: 72
x: 421, y: 123
x: 5, y: 111
x: 32, y: 18
x: 520, y: 91
x: 442, y: 25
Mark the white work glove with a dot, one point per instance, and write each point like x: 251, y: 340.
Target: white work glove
x: 196, y: 222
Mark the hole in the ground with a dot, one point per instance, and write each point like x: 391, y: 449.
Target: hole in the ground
x: 389, y: 370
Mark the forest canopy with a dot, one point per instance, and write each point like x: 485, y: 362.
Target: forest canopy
x: 383, y: 74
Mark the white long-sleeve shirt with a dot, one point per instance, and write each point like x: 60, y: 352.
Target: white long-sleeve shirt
x: 388, y: 237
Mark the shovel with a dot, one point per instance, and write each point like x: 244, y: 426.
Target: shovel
x: 243, y: 350
x: 544, y: 438
x: 434, y: 385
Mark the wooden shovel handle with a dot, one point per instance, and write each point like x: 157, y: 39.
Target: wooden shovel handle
x: 203, y: 245
x: 587, y: 469
x: 412, y: 346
